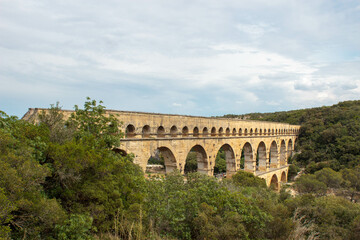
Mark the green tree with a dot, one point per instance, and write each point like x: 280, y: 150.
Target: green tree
x: 328, y: 176
x: 220, y: 162
x: 94, y: 124
x: 309, y: 184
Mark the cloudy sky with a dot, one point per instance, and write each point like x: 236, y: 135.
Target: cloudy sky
x: 198, y: 57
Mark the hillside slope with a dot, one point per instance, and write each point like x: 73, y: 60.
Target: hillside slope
x: 328, y: 134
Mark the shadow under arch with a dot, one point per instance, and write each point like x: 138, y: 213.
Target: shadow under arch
x: 225, y: 161
x: 196, y: 160
x: 261, y: 157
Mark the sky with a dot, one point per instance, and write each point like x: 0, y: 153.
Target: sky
x: 198, y: 57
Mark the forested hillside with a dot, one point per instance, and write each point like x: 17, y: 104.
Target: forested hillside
x: 328, y: 134
x: 61, y: 180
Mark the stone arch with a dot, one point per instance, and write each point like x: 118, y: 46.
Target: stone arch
x: 273, y: 160
x: 290, y: 148
x: 160, y: 132
x: 260, y: 132
x: 221, y: 131
x: 276, y: 131
x: 213, y: 131
x: 272, y: 132
x: 261, y: 157
x: 265, y: 131
x: 201, y: 160
x: 234, y: 132
x: 274, y: 183
x: 205, y: 132
x: 245, y: 132
x: 240, y: 132
x: 146, y: 131
x: 283, y: 177
x: 173, y: 131
x: 185, y: 131
x: 227, y: 131
x: 130, y: 131
x: 162, y: 160
x: 283, y: 153
x: 256, y: 131
x: 196, y: 132
x: 251, y: 131
x: 248, y: 157
x: 229, y: 157
x: 269, y: 131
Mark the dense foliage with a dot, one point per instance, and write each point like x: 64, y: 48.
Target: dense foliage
x: 60, y: 179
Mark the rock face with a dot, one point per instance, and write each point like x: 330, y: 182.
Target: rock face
x: 264, y: 146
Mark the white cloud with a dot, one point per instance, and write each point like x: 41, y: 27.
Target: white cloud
x: 211, y: 57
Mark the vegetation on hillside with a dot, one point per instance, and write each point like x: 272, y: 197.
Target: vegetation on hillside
x: 61, y: 180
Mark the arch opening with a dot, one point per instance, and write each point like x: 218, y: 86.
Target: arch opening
x: 290, y: 149
x: 274, y: 183
x: 146, y: 131
x: 248, y: 157
x: 213, y: 131
x: 283, y: 153
x: 221, y: 131
x: 205, y: 132
x: 196, y: 132
x: 261, y: 157
x: 185, y: 131
x: 234, y: 132
x: 273, y: 158
x: 196, y: 160
x: 240, y: 132
x: 161, y: 161
x: 225, y: 162
x: 173, y: 131
x: 161, y: 132
x: 283, y: 177
x: 227, y: 131
x: 130, y: 131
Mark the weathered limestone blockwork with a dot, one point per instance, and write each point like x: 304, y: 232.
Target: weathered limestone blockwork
x: 175, y: 135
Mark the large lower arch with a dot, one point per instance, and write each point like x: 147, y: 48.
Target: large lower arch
x: 162, y: 160
x: 225, y: 156
x: 248, y: 157
x: 283, y: 153
x: 273, y: 158
x: 196, y: 160
x: 261, y: 157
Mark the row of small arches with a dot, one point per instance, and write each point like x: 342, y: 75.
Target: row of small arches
x: 130, y: 132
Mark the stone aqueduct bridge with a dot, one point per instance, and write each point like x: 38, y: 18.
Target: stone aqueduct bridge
x: 266, y: 146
